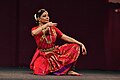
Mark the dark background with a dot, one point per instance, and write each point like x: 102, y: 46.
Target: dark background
x: 93, y: 22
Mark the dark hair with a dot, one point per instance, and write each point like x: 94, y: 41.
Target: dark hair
x: 40, y: 12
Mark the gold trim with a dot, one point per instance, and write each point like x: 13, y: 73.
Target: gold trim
x: 46, y: 50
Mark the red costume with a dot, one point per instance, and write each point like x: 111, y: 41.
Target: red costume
x: 50, y: 58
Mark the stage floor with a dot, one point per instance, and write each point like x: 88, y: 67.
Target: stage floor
x: 10, y: 73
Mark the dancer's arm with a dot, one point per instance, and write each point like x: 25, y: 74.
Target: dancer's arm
x: 72, y: 40
x: 43, y: 27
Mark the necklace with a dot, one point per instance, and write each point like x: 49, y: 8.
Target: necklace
x: 44, y: 36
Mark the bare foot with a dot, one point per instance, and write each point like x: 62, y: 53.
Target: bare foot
x: 73, y: 73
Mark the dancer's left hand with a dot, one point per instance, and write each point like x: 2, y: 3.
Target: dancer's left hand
x: 84, y: 51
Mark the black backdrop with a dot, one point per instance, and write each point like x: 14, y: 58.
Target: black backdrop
x: 85, y: 20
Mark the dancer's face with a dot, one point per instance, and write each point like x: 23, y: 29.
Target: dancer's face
x: 44, y: 18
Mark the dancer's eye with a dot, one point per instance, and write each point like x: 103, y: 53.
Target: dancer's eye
x: 44, y: 15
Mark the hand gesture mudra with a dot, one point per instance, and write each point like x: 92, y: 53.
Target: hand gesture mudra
x: 49, y: 24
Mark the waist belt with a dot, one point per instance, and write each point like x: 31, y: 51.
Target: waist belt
x: 46, y: 50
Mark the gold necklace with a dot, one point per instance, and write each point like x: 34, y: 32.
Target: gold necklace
x: 44, y: 36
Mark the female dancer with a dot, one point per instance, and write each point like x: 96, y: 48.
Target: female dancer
x: 48, y: 57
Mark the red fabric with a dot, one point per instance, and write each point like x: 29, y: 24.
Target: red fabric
x: 42, y: 44
x: 46, y: 62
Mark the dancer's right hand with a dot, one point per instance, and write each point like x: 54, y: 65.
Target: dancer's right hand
x: 49, y: 24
